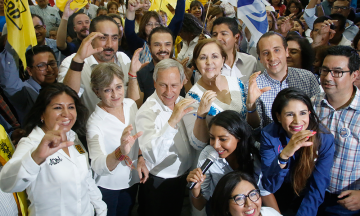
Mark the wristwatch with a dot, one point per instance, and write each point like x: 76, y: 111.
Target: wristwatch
x: 282, y: 161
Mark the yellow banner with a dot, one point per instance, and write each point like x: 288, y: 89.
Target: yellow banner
x: 75, y: 4
x: 155, y: 6
x: 21, y: 33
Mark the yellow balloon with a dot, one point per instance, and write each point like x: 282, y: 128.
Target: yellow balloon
x: 75, y: 4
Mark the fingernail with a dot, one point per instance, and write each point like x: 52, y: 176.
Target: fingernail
x: 307, y: 137
x: 314, y: 132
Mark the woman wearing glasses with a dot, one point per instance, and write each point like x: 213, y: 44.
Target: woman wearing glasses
x: 230, y: 138
x: 296, y: 154
x: 238, y: 194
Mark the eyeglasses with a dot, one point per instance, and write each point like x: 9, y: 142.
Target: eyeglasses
x: 155, y: 25
x: 240, y: 199
x: 341, y: 8
x: 43, y: 66
x: 39, y: 27
x: 336, y: 73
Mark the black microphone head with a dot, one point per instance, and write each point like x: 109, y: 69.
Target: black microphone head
x: 213, y: 154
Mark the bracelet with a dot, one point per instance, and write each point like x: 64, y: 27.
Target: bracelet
x: 252, y: 111
x: 132, y: 75
x: 132, y: 78
x: 199, y: 117
x: 140, y: 155
x: 282, y: 161
x: 76, y: 66
x: 119, y: 156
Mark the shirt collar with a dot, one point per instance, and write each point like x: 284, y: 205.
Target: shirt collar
x: 355, y: 103
x: 237, y: 59
x: 34, y: 84
x: 276, y: 82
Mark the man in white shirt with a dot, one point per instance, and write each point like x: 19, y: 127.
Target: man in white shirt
x: 99, y: 47
x: 237, y: 64
x: 164, y: 144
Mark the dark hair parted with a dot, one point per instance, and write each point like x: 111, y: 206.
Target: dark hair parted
x: 280, y: 3
x: 192, y: 25
x: 224, y: 189
x: 145, y: 19
x: 100, y: 8
x: 346, y: 51
x: 40, y: 18
x: 99, y: 19
x: 307, y: 52
x: 110, y: 4
x: 30, y: 53
x: 230, y: 22
x: 321, y: 20
x: 47, y: 94
x: 245, y: 150
x: 305, y: 165
x: 302, y: 26
x: 161, y: 29
x: 199, y: 47
x: 197, y: 3
x: 297, y: 4
x: 269, y: 34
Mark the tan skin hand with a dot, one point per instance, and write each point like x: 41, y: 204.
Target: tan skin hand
x: 205, y: 103
x: 297, y: 141
x: 196, y: 176
x: 254, y: 92
x: 67, y: 10
x: 86, y: 49
x: 135, y: 63
x: 180, y: 110
x: 352, y: 202
x: 127, y: 141
x: 142, y: 170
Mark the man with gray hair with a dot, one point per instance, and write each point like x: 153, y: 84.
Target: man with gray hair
x: 164, y: 144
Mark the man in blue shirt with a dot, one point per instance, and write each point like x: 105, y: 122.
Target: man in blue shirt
x: 273, y: 51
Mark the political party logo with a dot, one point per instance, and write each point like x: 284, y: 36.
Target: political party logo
x: 13, y: 11
x: 344, y: 132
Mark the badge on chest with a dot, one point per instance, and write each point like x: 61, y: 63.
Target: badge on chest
x: 79, y: 149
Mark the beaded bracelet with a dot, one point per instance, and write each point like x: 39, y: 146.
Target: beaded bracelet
x: 119, y: 156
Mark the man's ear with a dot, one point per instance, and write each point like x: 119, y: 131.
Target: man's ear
x: 29, y: 71
x: 355, y: 75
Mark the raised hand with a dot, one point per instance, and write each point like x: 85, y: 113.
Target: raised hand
x: 325, y: 34
x: 86, y: 49
x: 205, y: 103
x: 298, y: 140
x: 253, y: 91
x: 135, y: 63
x: 67, y: 10
x: 188, y: 71
x: 127, y: 141
x: 196, y: 176
x: 180, y: 110
x: 135, y: 5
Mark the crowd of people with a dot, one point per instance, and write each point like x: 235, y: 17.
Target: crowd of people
x: 120, y: 104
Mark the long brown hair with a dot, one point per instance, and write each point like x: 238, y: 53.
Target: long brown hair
x: 305, y: 165
x: 145, y: 19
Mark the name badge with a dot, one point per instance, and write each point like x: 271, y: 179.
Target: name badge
x: 54, y: 161
x: 344, y: 132
x: 79, y: 149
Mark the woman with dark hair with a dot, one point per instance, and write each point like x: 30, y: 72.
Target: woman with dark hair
x: 293, y: 7
x: 296, y: 154
x: 197, y: 9
x: 51, y: 163
x: 299, y: 27
x: 237, y: 193
x: 112, y: 7
x: 301, y: 54
x: 190, y: 33
x: 230, y: 137
x: 149, y: 21
x: 278, y: 6
x: 271, y: 21
x: 101, y: 11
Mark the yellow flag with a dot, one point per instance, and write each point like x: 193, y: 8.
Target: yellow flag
x: 75, y: 4
x: 6, y: 151
x: 20, y: 27
x: 156, y: 4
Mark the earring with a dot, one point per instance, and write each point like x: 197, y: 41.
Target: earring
x: 42, y: 120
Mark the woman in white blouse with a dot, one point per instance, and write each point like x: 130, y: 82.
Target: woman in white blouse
x: 216, y: 93
x: 114, y: 116
x: 51, y: 163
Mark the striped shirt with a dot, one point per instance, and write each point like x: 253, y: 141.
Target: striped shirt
x: 344, y: 124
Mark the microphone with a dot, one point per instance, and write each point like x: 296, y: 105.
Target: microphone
x: 213, y: 155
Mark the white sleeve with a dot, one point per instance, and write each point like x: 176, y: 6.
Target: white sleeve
x: 64, y: 67
x: 96, y: 196
x: 156, y: 140
x: 95, y: 140
x: 205, y: 186
x: 21, y: 170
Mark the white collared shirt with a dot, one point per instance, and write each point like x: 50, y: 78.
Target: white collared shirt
x: 244, y: 65
x: 103, y: 135
x: 167, y: 151
x: 87, y: 95
x: 187, y: 50
x: 61, y: 185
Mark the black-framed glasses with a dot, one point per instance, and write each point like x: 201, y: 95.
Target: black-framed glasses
x: 39, y: 27
x: 336, y: 73
x: 240, y: 199
x: 341, y: 8
x: 154, y: 25
x: 43, y: 66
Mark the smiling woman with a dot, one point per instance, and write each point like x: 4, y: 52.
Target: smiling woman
x: 51, y: 163
x: 296, y: 154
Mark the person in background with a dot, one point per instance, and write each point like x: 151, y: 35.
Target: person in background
x: 2, y: 16
x: 123, y: 46
x: 112, y: 7
x: 338, y: 73
x: 90, y: 9
x: 299, y: 27
x: 301, y: 54
x: 101, y: 11
x: 163, y: 17
x: 320, y: 53
x: 229, y: 137
x: 293, y: 7
x: 53, y: 33
x: 52, y: 159
x: 81, y: 23
x: 272, y: 21
x: 49, y: 14
x: 237, y: 193
x: 197, y: 9
x: 110, y: 131
x: 278, y: 6
x: 215, y: 12
x: 296, y: 154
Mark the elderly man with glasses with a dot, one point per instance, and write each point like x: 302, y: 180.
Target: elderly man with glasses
x: 339, y: 7
x: 338, y: 109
